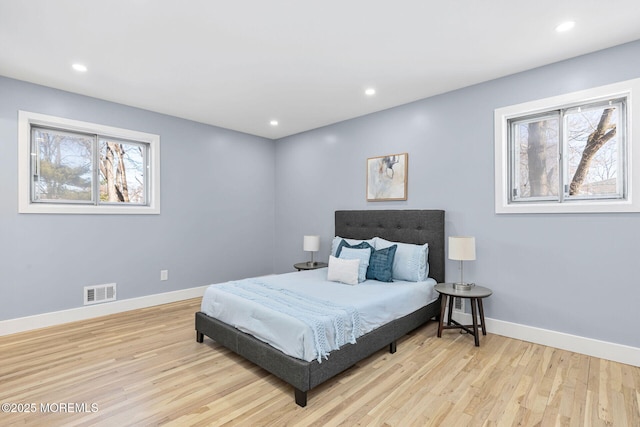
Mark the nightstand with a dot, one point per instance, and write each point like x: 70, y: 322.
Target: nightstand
x: 307, y: 266
x: 475, y: 295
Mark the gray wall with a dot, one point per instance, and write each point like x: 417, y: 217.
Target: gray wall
x: 216, y: 223
x: 578, y: 274
x: 230, y: 200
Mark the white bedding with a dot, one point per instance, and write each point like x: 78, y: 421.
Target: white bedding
x: 377, y: 303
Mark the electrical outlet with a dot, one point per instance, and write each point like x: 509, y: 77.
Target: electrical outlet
x: 164, y: 274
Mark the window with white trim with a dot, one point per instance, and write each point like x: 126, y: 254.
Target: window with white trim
x: 571, y: 153
x: 67, y: 166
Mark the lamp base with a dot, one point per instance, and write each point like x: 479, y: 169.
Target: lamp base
x: 463, y: 286
x: 312, y: 263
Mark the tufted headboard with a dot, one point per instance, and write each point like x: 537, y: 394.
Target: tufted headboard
x: 408, y: 226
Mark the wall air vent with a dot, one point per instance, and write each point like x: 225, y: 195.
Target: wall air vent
x: 99, y: 293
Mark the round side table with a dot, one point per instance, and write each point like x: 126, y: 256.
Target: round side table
x: 307, y: 266
x: 475, y: 295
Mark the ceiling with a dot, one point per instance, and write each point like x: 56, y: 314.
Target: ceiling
x: 240, y: 64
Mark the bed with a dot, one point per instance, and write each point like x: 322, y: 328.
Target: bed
x: 407, y: 226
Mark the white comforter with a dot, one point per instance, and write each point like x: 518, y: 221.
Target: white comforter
x: 376, y: 302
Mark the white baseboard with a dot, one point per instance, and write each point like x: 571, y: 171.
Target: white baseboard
x: 591, y: 347
x: 28, y: 323
x: 601, y: 349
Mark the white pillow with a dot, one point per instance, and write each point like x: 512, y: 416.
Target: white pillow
x: 410, y: 263
x: 343, y: 270
x: 336, y: 242
x: 361, y: 254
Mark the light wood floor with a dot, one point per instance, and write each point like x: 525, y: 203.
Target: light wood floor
x: 145, y: 368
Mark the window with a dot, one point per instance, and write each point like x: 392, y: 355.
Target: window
x: 576, y: 153
x: 69, y: 166
x: 570, y: 153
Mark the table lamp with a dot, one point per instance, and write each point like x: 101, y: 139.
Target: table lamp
x: 311, y: 244
x: 462, y: 248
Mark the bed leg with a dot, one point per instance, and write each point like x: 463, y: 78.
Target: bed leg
x: 392, y: 347
x: 301, y: 397
x: 199, y: 336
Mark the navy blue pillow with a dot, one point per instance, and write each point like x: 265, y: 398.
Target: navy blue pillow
x: 381, y: 264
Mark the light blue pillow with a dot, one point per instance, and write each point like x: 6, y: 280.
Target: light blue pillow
x: 361, y: 254
x: 336, y: 242
x: 361, y: 245
x: 410, y: 263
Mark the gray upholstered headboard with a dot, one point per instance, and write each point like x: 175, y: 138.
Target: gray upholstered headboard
x: 408, y: 226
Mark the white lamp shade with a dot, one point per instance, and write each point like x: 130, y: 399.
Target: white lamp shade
x: 311, y: 243
x: 462, y: 248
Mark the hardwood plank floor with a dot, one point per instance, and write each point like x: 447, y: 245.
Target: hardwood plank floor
x: 144, y: 367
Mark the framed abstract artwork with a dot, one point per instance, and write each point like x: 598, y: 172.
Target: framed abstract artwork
x: 387, y: 177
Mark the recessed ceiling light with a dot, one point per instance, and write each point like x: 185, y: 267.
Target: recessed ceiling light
x: 273, y: 123
x: 370, y: 92
x: 565, y: 26
x: 79, y: 67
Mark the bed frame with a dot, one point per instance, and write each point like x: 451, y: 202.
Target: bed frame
x: 409, y: 226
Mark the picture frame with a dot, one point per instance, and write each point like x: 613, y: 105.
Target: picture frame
x: 387, y: 177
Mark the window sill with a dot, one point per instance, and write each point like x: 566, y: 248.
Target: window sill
x: 568, y: 207
x: 44, y: 208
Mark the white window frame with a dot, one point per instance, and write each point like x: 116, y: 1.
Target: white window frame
x: 629, y: 89
x: 26, y: 119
